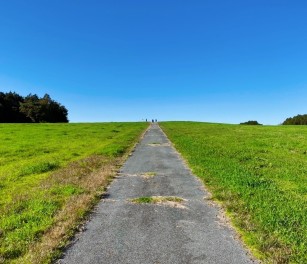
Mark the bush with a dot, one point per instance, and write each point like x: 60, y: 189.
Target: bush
x: 252, y: 123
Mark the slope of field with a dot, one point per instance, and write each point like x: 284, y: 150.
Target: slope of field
x: 259, y: 174
x: 50, y: 174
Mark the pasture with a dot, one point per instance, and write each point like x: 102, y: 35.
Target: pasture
x: 259, y: 174
x: 50, y: 176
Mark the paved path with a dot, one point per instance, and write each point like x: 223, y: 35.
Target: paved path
x: 123, y: 232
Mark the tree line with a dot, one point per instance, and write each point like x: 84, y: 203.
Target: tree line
x: 15, y: 108
x: 296, y: 120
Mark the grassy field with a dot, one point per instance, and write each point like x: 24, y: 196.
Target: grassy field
x: 259, y: 174
x: 50, y: 175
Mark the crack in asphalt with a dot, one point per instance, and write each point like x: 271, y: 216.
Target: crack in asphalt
x: 124, y: 232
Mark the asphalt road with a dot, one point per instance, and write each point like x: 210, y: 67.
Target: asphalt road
x: 124, y: 232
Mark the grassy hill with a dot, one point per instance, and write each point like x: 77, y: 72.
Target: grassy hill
x: 52, y: 174
x: 259, y: 174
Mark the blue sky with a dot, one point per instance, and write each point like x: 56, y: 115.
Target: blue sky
x: 216, y: 61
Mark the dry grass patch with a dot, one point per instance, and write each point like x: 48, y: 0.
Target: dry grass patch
x: 154, y: 144
x: 172, y: 201
x: 149, y: 174
x: 146, y: 175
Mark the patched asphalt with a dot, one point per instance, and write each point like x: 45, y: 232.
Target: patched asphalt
x: 124, y: 232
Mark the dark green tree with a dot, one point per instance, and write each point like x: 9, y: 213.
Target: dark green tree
x: 51, y: 111
x: 9, y: 108
x: 43, y: 109
x: 31, y: 108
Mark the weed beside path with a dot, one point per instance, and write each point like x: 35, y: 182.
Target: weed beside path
x: 259, y: 175
x: 50, y: 176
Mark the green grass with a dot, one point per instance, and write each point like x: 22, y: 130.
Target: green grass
x: 42, y: 166
x: 259, y: 174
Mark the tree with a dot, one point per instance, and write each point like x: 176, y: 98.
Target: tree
x: 296, y: 120
x: 43, y: 109
x: 9, y: 108
x: 51, y: 111
x: 16, y: 109
x: 31, y: 108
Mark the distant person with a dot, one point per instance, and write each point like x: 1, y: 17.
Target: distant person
x: 152, y: 121
x: 156, y: 120
x: 146, y: 119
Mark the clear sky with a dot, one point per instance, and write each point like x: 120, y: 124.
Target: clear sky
x: 217, y: 61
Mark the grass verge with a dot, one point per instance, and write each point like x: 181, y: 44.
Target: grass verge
x: 46, y: 194
x: 259, y: 176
